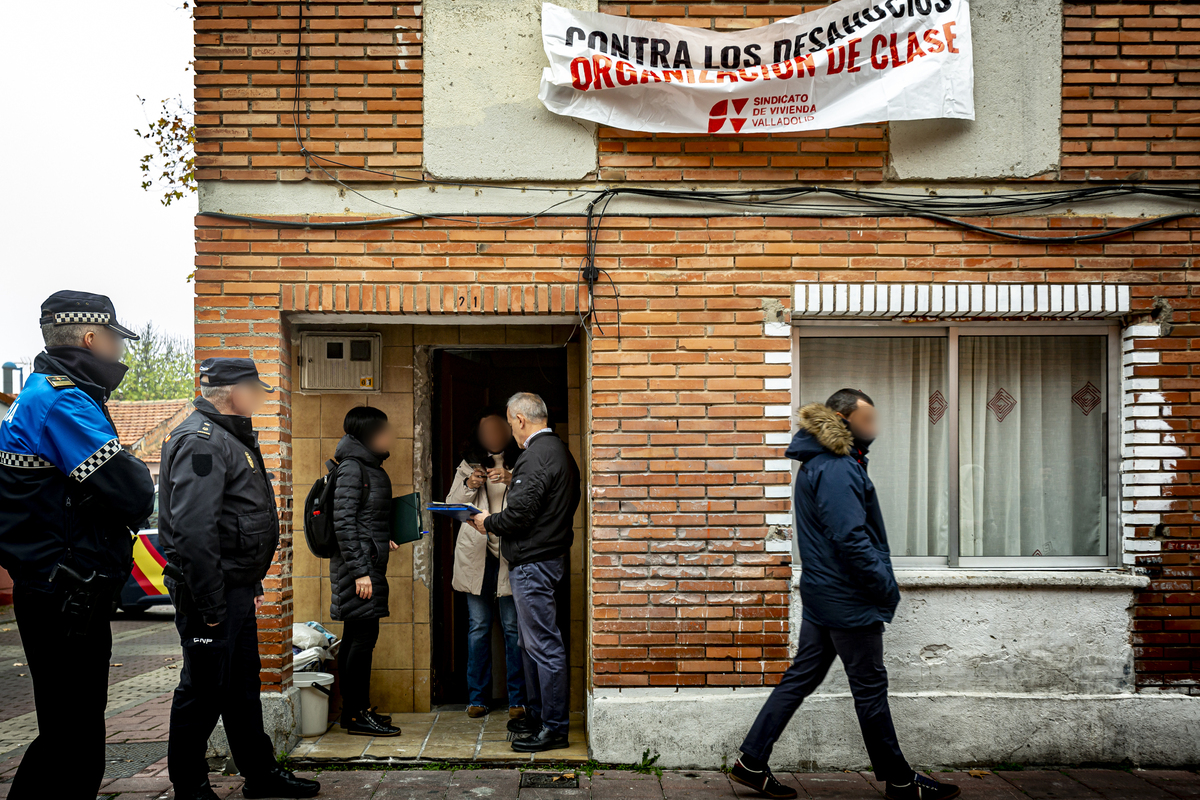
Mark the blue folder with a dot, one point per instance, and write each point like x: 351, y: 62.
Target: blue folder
x: 460, y: 511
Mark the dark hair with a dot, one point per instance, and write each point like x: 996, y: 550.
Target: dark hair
x: 363, y: 422
x: 844, y: 401
x: 473, y: 450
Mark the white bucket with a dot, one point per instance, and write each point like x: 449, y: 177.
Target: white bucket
x: 314, y: 701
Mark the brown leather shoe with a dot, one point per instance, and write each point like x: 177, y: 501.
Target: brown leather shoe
x: 475, y: 712
x: 516, y: 712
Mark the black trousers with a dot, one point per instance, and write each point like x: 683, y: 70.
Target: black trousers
x: 543, y: 653
x: 70, y: 691
x: 861, y: 651
x: 220, y: 678
x: 354, y: 664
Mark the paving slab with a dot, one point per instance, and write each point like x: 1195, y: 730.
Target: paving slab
x: 699, y: 784
x: 1176, y: 781
x: 625, y: 785
x: 1049, y: 784
x: 1117, y: 784
x: 836, y: 785
x: 349, y: 785
x: 982, y: 787
x: 475, y: 784
x: 416, y: 784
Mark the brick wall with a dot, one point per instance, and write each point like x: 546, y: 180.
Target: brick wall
x: 1131, y: 91
x: 1130, y: 98
x: 361, y: 98
x: 684, y: 592
x: 360, y: 102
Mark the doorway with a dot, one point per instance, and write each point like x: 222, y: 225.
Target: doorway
x: 466, y: 380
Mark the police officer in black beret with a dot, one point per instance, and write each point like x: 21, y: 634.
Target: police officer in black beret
x: 69, y: 498
x: 218, y: 528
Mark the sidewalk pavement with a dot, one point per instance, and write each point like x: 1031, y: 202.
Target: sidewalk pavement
x: 504, y: 784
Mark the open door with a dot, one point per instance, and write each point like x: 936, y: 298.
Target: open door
x: 461, y: 390
x: 465, y: 382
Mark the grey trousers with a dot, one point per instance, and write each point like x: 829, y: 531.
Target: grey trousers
x: 542, y: 650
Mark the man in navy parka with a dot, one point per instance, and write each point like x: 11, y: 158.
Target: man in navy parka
x: 847, y: 590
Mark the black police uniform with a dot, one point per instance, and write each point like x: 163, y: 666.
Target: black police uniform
x: 218, y: 529
x: 69, y: 498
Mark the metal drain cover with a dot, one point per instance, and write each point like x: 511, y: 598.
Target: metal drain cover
x: 126, y: 759
x: 549, y: 780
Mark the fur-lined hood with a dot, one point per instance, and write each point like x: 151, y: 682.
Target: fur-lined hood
x: 824, y: 424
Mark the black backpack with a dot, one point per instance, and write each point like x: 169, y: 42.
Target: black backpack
x: 318, y: 513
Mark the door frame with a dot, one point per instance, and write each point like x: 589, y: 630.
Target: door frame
x: 423, y: 465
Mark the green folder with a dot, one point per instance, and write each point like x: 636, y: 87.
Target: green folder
x: 406, y: 518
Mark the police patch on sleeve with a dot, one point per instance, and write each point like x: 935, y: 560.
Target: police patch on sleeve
x: 201, y: 463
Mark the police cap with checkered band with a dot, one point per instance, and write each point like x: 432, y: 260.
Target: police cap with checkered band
x: 228, y: 371
x: 82, y: 308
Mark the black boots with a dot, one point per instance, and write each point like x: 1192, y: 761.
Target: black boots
x: 382, y: 719
x: 525, y: 726
x: 278, y: 782
x: 368, y: 723
x: 201, y: 791
x: 543, y: 740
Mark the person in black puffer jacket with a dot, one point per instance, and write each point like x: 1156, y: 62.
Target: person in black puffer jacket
x: 362, y: 500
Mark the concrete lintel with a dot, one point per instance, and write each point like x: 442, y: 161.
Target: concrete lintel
x: 255, y: 198
x: 433, y: 319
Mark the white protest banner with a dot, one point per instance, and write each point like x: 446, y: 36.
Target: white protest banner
x: 853, y: 62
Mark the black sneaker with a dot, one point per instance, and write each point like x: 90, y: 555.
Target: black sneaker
x: 761, y: 781
x: 921, y: 787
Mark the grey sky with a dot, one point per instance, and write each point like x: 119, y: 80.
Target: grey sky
x: 74, y: 214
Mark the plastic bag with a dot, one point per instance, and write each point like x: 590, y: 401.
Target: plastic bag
x: 307, y: 638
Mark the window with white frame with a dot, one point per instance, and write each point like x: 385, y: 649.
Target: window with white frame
x: 997, y: 440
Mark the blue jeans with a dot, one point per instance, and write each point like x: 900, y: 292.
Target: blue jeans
x: 479, y: 649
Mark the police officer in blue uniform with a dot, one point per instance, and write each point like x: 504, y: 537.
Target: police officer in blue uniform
x: 219, y: 528
x: 70, y: 498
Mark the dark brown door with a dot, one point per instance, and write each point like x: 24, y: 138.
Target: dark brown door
x: 460, y: 392
x: 466, y: 382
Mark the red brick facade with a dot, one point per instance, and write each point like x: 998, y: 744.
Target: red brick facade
x: 1131, y: 92
x: 682, y: 592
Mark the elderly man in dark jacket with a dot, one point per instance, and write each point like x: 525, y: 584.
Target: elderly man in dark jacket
x: 219, y: 528
x: 848, y: 591
x: 536, y: 529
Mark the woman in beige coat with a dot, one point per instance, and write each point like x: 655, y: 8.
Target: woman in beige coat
x: 482, y: 479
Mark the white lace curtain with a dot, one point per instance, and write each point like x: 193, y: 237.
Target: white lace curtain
x: 906, y: 377
x: 1031, y: 445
